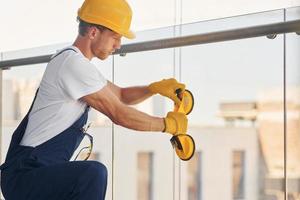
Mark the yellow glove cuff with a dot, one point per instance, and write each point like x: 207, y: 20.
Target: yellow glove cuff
x: 170, y: 125
x: 176, y: 123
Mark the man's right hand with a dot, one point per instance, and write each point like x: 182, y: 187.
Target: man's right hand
x: 167, y: 87
x: 176, y: 123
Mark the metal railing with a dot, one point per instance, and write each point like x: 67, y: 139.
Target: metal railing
x: 268, y: 30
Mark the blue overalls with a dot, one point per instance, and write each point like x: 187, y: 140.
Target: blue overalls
x: 45, y: 173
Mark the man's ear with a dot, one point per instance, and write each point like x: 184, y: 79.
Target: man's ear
x: 92, y: 32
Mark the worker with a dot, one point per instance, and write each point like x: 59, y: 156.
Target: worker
x: 37, y: 165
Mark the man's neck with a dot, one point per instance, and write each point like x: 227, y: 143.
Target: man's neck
x: 83, y: 45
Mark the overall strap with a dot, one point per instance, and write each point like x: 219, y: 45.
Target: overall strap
x: 67, y: 49
x: 19, y: 132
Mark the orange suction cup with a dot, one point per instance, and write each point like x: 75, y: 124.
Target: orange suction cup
x: 187, y: 102
x: 184, y: 146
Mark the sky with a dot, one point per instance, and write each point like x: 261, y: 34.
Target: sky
x: 33, y: 23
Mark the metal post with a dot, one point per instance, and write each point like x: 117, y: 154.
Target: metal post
x: 1, y: 110
x: 285, y: 114
x: 1, y: 125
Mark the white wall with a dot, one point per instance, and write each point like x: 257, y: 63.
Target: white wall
x: 216, y: 145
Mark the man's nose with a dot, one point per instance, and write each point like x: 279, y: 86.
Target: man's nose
x: 117, y: 44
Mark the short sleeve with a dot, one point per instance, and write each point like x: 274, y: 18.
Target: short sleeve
x: 78, y: 77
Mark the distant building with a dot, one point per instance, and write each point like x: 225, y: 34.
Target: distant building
x: 9, y: 101
x: 271, y: 133
x: 25, y: 94
x: 268, y: 115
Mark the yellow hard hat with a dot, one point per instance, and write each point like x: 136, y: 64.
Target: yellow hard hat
x: 113, y: 14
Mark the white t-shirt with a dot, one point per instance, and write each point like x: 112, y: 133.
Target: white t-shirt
x: 68, y: 77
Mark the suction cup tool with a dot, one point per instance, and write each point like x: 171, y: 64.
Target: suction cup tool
x: 184, y: 146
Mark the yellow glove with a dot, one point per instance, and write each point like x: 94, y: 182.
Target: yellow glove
x: 176, y: 123
x: 167, y: 87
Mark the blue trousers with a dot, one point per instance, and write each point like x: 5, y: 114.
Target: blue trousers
x: 44, y: 172
x: 79, y: 180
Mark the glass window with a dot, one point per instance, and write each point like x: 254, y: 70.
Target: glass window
x: 194, y: 177
x: 145, y: 174
x: 238, y: 174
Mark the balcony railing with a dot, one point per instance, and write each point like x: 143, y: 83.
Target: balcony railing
x: 268, y: 30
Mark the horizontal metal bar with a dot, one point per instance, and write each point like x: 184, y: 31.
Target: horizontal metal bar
x: 220, y: 36
x: 25, y: 61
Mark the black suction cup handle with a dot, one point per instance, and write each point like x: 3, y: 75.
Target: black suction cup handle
x: 179, y: 93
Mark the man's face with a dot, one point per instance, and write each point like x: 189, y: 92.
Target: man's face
x: 105, y: 43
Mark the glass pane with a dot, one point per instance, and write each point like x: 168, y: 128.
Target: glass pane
x: 238, y: 174
x: 233, y: 84
x: 142, y: 69
x: 18, y: 90
x: 35, y: 51
x: 194, y: 172
x: 145, y: 175
x: 152, y: 14
x: 292, y: 104
x: 194, y: 10
x: 101, y: 129
x: 232, y: 22
x: 153, y: 34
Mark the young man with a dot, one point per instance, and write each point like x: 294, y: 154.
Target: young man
x: 37, y: 165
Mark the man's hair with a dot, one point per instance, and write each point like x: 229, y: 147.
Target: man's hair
x: 84, y: 26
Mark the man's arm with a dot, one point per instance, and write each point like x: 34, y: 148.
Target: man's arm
x: 107, y: 101
x: 130, y: 95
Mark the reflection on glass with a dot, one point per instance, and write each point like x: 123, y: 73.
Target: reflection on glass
x: 238, y: 174
x: 194, y: 177
x: 19, y: 94
x: 145, y: 174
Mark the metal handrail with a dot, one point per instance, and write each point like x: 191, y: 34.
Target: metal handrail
x: 219, y: 36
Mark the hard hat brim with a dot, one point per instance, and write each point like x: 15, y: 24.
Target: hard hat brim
x: 129, y: 34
